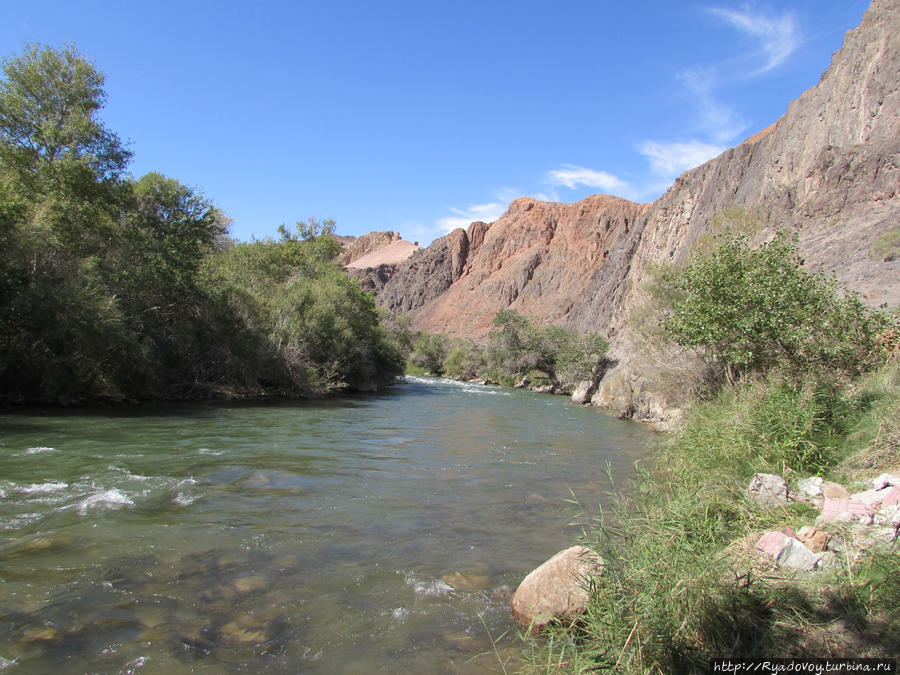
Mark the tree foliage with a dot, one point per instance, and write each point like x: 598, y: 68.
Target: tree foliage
x: 517, y: 347
x: 429, y: 351
x: 130, y: 288
x: 751, y: 310
x: 49, y: 125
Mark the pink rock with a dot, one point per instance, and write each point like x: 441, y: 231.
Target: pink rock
x: 557, y: 589
x: 787, y: 551
x: 834, y: 490
x: 772, y: 542
x: 846, y: 511
x: 892, y: 498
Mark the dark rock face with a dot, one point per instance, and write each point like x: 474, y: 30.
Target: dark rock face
x: 424, y: 276
x: 829, y: 169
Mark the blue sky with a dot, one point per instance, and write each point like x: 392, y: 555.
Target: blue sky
x: 423, y: 116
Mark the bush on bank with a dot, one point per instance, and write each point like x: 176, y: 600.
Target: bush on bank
x: 115, y: 288
x: 515, y: 348
x: 805, y: 393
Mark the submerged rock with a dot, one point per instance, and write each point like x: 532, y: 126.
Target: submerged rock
x: 39, y: 634
x: 245, y: 629
x: 249, y: 584
x: 557, y: 589
x: 467, y: 583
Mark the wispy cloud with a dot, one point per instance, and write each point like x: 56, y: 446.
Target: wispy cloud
x: 717, y: 120
x: 717, y: 125
x: 778, y: 36
x: 671, y: 159
x: 572, y: 177
x: 462, y: 217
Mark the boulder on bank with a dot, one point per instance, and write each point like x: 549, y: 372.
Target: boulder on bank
x: 583, y: 391
x: 557, y: 589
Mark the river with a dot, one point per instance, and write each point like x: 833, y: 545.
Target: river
x: 351, y: 535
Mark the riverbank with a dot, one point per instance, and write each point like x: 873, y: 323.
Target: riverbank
x: 691, y: 571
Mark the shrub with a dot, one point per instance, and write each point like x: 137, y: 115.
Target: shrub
x: 517, y: 347
x: 429, y: 352
x: 751, y: 310
x: 465, y: 360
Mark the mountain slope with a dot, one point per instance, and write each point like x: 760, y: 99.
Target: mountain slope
x: 828, y: 169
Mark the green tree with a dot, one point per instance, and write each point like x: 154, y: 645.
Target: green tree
x: 429, y: 351
x: 465, y: 359
x: 49, y: 100
x: 307, y: 230
x: 323, y: 330
x: 518, y: 347
x: 114, y: 287
x: 61, y: 193
x: 752, y: 309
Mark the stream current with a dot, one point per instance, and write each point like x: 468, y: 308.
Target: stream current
x: 352, y: 535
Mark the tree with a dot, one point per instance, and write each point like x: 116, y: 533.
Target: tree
x: 518, y: 347
x: 429, y: 351
x: 307, y: 230
x: 752, y: 309
x: 49, y: 102
x: 171, y: 227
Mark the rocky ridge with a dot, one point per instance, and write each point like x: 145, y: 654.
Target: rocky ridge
x: 829, y: 169
x: 357, y: 249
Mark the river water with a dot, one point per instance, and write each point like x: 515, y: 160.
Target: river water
x: 353, y: 535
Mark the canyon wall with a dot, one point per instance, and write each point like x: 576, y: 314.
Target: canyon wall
x: 829, y: 169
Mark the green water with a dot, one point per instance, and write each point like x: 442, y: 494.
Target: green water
x: 367, y: 534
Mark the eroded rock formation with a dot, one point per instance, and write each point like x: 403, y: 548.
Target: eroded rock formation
x: 829, y: 169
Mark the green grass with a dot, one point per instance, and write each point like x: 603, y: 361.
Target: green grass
x: 886, y: 246
x: 682, y: 584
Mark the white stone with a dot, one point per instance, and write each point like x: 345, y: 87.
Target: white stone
x: 796, y: 556
x: 885, y: 480
x: 871, y: 497
x: 768, y: 489
x: 582, y: 393
x: 811, y: 487
x: 888, y: 516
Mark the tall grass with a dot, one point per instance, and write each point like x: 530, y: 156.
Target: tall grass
x: 681, y: 583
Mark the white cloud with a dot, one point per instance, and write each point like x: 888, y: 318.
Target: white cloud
x: 488, y: 212
x: 718, y: 120
x: 572, y: 176
x: 550, y: 195
x: 672, y: 159
x: 778, y: 35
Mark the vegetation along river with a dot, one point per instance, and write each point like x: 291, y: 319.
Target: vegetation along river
x: 361, y: 534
